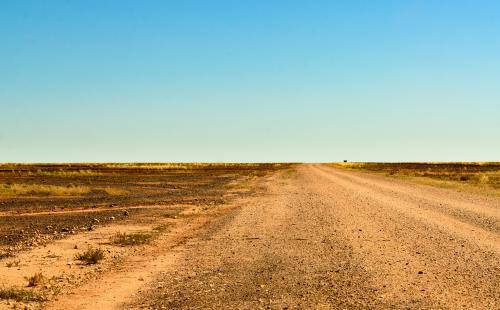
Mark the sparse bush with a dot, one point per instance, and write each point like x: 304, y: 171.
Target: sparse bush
x: 91, y: 256
x: 36, y: 280
x: 137, y: 238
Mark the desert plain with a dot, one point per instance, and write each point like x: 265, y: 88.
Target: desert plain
x: 250, y: 236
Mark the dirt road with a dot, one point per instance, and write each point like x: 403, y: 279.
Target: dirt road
x: 324, y: 238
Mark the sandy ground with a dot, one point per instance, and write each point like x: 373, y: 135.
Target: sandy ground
x: 318, y: 238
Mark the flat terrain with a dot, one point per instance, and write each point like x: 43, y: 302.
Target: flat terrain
x: 50, y: 214
x: 309, y: 237
x: 332, y: 239
x: 39, y: 203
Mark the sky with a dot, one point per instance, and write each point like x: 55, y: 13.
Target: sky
x: 249, y: 81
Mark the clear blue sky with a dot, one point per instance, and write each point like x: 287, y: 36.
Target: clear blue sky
x: 249, y: 80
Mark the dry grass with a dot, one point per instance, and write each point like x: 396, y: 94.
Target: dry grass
x: 91, y: 256
x: 64, y: 173
x: 132, y: 239
x: 40, y: 189
x: 114, y: 191
x: 55, y: 190
x: 82, y: 169
x: 186, y: 166
x: 480, y: 177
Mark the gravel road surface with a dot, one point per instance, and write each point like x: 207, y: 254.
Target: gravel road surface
x: 325, y: 238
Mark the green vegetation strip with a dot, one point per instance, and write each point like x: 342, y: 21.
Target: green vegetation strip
x: 21, y: 295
